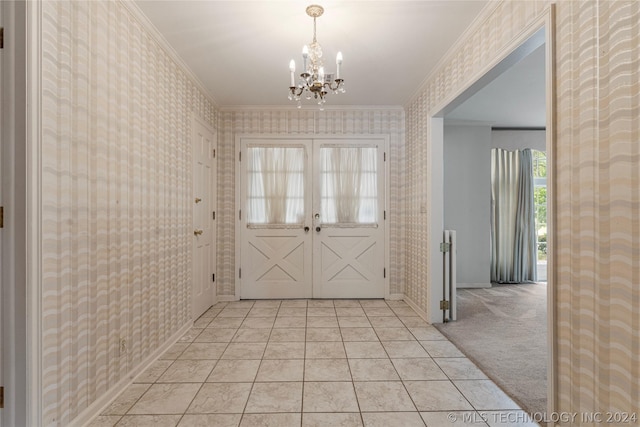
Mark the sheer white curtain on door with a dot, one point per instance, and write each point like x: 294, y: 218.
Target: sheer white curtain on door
x: 513, y: 242
x: 348, y: 186
x: 275, y: 185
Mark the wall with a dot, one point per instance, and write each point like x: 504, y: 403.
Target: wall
x: 519, y: 139
x: 596, y: 297
x: 336, y: 121
x: 116, y: 199
x: 467, y: 200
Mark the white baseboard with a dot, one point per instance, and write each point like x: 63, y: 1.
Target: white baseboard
x: 103, y: 402
x: 395, y: 297
x: 416, y: 308
x: 472, y: 285
x: 227, y: 298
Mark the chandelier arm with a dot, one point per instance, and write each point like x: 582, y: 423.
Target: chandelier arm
x: 299, y: 91
x: 337, y: 82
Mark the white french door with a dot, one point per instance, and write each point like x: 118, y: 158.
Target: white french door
x: 348, y: 233
x: 311, y: 218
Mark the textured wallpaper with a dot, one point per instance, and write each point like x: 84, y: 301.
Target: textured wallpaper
x: 116, y: 186
x: 598, y: 205
x: 307, y: 123
x: 116, y: 112
x: 597, y: 189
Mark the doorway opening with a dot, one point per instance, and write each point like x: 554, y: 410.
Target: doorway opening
x: 536, y: 41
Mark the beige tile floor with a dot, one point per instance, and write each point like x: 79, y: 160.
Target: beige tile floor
x: 312, y: 363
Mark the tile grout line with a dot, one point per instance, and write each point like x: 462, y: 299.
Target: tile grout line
x: 208, y: 376
x: 327, y: 338
x: 244, y: 409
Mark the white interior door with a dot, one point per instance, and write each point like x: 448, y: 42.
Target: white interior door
x: 3, y: 260
x: 311, y: 219
x: 204, y: 230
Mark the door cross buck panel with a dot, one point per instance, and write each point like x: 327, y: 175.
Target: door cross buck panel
x: 276, y: 258
x: 348, y: 257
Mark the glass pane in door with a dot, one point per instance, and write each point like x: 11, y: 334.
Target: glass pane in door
x: 348, y: 185
x: 275, y: 185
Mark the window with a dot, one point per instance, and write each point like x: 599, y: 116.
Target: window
x: 348, y: 185
x: 540, y: 201
x: 275, y: 185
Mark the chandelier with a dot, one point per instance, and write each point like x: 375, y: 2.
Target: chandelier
x: 314, y: 81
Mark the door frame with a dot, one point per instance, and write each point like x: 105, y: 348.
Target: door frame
x: 213, y: 194
x: 515, y: 50
x: 311, y: 137
x: 21, y: 195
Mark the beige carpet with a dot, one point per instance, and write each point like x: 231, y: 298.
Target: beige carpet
x: 504, y: 330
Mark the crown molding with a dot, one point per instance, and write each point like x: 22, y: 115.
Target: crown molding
x: 484, y: 14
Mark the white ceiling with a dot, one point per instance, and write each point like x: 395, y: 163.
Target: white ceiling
x: 240, y: 50
x: 516, y: 98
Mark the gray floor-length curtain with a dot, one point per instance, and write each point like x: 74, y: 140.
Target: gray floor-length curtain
x: 513, y: 235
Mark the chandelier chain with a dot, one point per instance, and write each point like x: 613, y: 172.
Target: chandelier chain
x: 314, y: 30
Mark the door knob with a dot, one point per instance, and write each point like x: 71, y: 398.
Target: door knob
x: 306, y: 229
x: 197, y: 232
x: 318, y: 229
x: 198, y: 199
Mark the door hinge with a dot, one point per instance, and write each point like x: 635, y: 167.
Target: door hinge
x: 213, y: 277
x: 444, y: 305
x: 1, y: 37
x: 240, y: 273
x: 214, y: 153
x: 445, y: 247
x: 240, y: 156
x: 385, y: 215
x: 240, y: 214
x: 214, y: 215
x: 1, y: 216
x: 1, y: 397
x: 384, y: 273
x: 384, y: 156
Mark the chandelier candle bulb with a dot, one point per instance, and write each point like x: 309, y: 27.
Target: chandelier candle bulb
x: 305, y: 54
x: 292, y: 67
x: 321, y: 75
x: 338, y: 64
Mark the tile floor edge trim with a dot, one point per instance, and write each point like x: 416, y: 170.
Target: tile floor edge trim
x: 226, y: 298
x: 420, y: 312
x: 102, y: 403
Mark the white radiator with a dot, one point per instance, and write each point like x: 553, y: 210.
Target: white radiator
x: 449, y: 282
